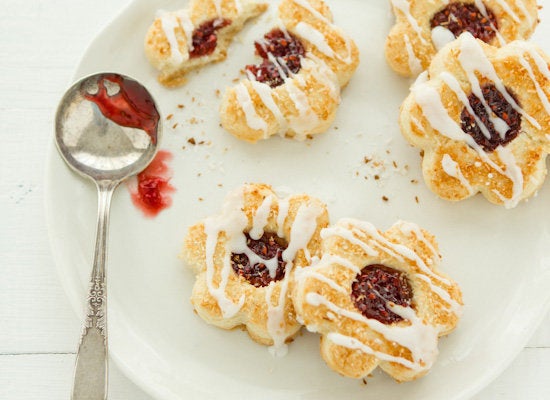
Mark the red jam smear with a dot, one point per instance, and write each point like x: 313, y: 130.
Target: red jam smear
x: 501, y: 108
x: 131, y: 106
x: 153, y: 191
x: 376, y: 286
x: 205, y: 38
x: 286, y: 49
x: 267, y: 247
x: 460, y: 17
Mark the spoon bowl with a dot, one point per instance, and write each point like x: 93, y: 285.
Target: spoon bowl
x: 107, y: 128
x: 98, y: 146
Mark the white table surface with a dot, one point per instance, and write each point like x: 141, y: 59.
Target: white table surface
x: 41, y: 43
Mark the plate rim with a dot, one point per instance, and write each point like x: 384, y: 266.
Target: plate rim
x: 132, y: 372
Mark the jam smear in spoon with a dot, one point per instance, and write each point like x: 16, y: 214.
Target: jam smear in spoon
x: 131, y: 106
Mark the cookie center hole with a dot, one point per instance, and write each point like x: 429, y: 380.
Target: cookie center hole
x: 281, y: 53
x: 375, y: 287
x: 460, y: 17
x: 205, y: 37
x: 500, y: 122
x: 263, y: 262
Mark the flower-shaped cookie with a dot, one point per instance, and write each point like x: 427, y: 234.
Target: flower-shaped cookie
x: 245, y: 259
x: 481, y: 115
x: 377, y: 299
x: 182, y: 40
x: 424, y: 27
x: 295, y: 91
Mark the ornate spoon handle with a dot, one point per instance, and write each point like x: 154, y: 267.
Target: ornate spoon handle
x: 91, y: 373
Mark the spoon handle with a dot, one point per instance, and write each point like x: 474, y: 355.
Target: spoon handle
x: 91, y: 372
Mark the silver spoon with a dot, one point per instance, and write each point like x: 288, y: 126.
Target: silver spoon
x: 107, y: 128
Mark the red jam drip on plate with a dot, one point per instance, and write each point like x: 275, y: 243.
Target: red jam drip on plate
x: 131, y: 106
x: 267, y: 247
x: 281, y: 53
x: 500, y: 108
x: 375, y: 287
x: 153, y: 191
x: 460, y: 17
x: 205, y: 38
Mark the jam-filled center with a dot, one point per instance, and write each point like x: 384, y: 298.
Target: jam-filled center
x: 269, y: 249
x: 497, y: 122
x: 205, y: 37
x: 460, y: 17
x: 281, y: 53
x: 376, y: 287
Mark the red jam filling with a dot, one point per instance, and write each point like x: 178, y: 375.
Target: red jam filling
x: 500, y: 108
x: 376, y: 286
x: 205, y: 37
x: 269, y: 246
x: 131, y: 106
x: 153, y: 192
x: 281, y: 53
x: 460, y: 17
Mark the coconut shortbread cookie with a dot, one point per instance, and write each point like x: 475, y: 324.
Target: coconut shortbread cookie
x: 423, y: 27
x: 245, y: 259
x: 295, y: 90
x: 186, y: 39
x: 378, y: 299
x: 481, y: 115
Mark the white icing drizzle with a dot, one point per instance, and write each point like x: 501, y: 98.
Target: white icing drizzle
x: 188, y: 27
x: 454, y: 85
x: 233, y: 224
x: 523, y: 8
x: 452, y: 169
x: 253, y: 120
x: 238, y: 6
x: 315, y: 37
x: 284, y: 204
x: 303, y: 228
x: 308, y: 272
x: 508, y: 10
x: 481, y: 7
x: 413, y: 334
x: 218, y: 5
x: 348, y: 235
x: 524, y: 47
x: 405, y: 7
x: 472, y: 60
x: 306, y: 119
x: 409, y: 228
x: 513, y: 171
x: 354, y: 344
x: 414, y: 63
x: 266, y: 95
x: 305, y: 4
x: 169, y: 22
x: 260, y: 219
x: 393, y: 248
x: 454, y: 306
x: 419, y: 338
x: 441, y: 36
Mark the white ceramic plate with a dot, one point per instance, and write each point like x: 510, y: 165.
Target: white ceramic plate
x: 501, y: 258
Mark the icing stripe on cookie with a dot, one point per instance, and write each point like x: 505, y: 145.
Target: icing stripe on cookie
x: 169, y: 22
x: 419, y: 338
x: 405, y: 7
x: 305, y: 4
x: 452, y: 169
x: 415, y: 66
x: 302, y: 230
